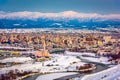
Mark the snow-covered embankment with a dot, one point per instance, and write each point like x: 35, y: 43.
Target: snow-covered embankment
x: 109, y: 74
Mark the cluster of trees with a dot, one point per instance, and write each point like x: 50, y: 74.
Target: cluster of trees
x: 12, y: 75
x: 85, y: 66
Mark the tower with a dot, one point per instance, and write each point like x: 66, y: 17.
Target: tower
x: 45, y: 53
x: 42, y: 54
x: 44, y: 46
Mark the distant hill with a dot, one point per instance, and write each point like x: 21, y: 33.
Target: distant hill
x: 61, y: 23
x: 67, y: 19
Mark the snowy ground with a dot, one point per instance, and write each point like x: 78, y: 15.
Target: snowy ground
x: 109, y: 74
x: 64, y: 60
x: 92, y: 57
x: 79, y: 54
x: 101, y: 59
x: 17, y: 59
x: 54, y: 76
x: 73, y: 66
x: 58, y: 62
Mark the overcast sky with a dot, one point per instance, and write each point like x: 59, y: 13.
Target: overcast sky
x: 84, y: 6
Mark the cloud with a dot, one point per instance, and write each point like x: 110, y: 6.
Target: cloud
x: 66, y: 14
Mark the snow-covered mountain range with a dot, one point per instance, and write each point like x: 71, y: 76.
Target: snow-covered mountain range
x: 67, y: 19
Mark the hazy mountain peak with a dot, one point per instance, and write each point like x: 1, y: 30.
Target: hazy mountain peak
x: 61, y: 15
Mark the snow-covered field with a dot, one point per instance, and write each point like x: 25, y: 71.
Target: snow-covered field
x: 59, y: 64
x: 101, y: 59
x: 64, y: 61
x: 109, y: 74
x: 54, y: 76
x: 91, y: 57
x: 79, y: 54
x: 17, y: 59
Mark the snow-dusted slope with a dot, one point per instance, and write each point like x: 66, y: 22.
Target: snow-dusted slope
x: 62, y: 15
x: 109, y: 74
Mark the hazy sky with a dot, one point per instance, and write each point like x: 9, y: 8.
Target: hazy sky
x: 84, y: 6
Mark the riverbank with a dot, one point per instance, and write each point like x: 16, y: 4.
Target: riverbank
x: 99, y: 67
